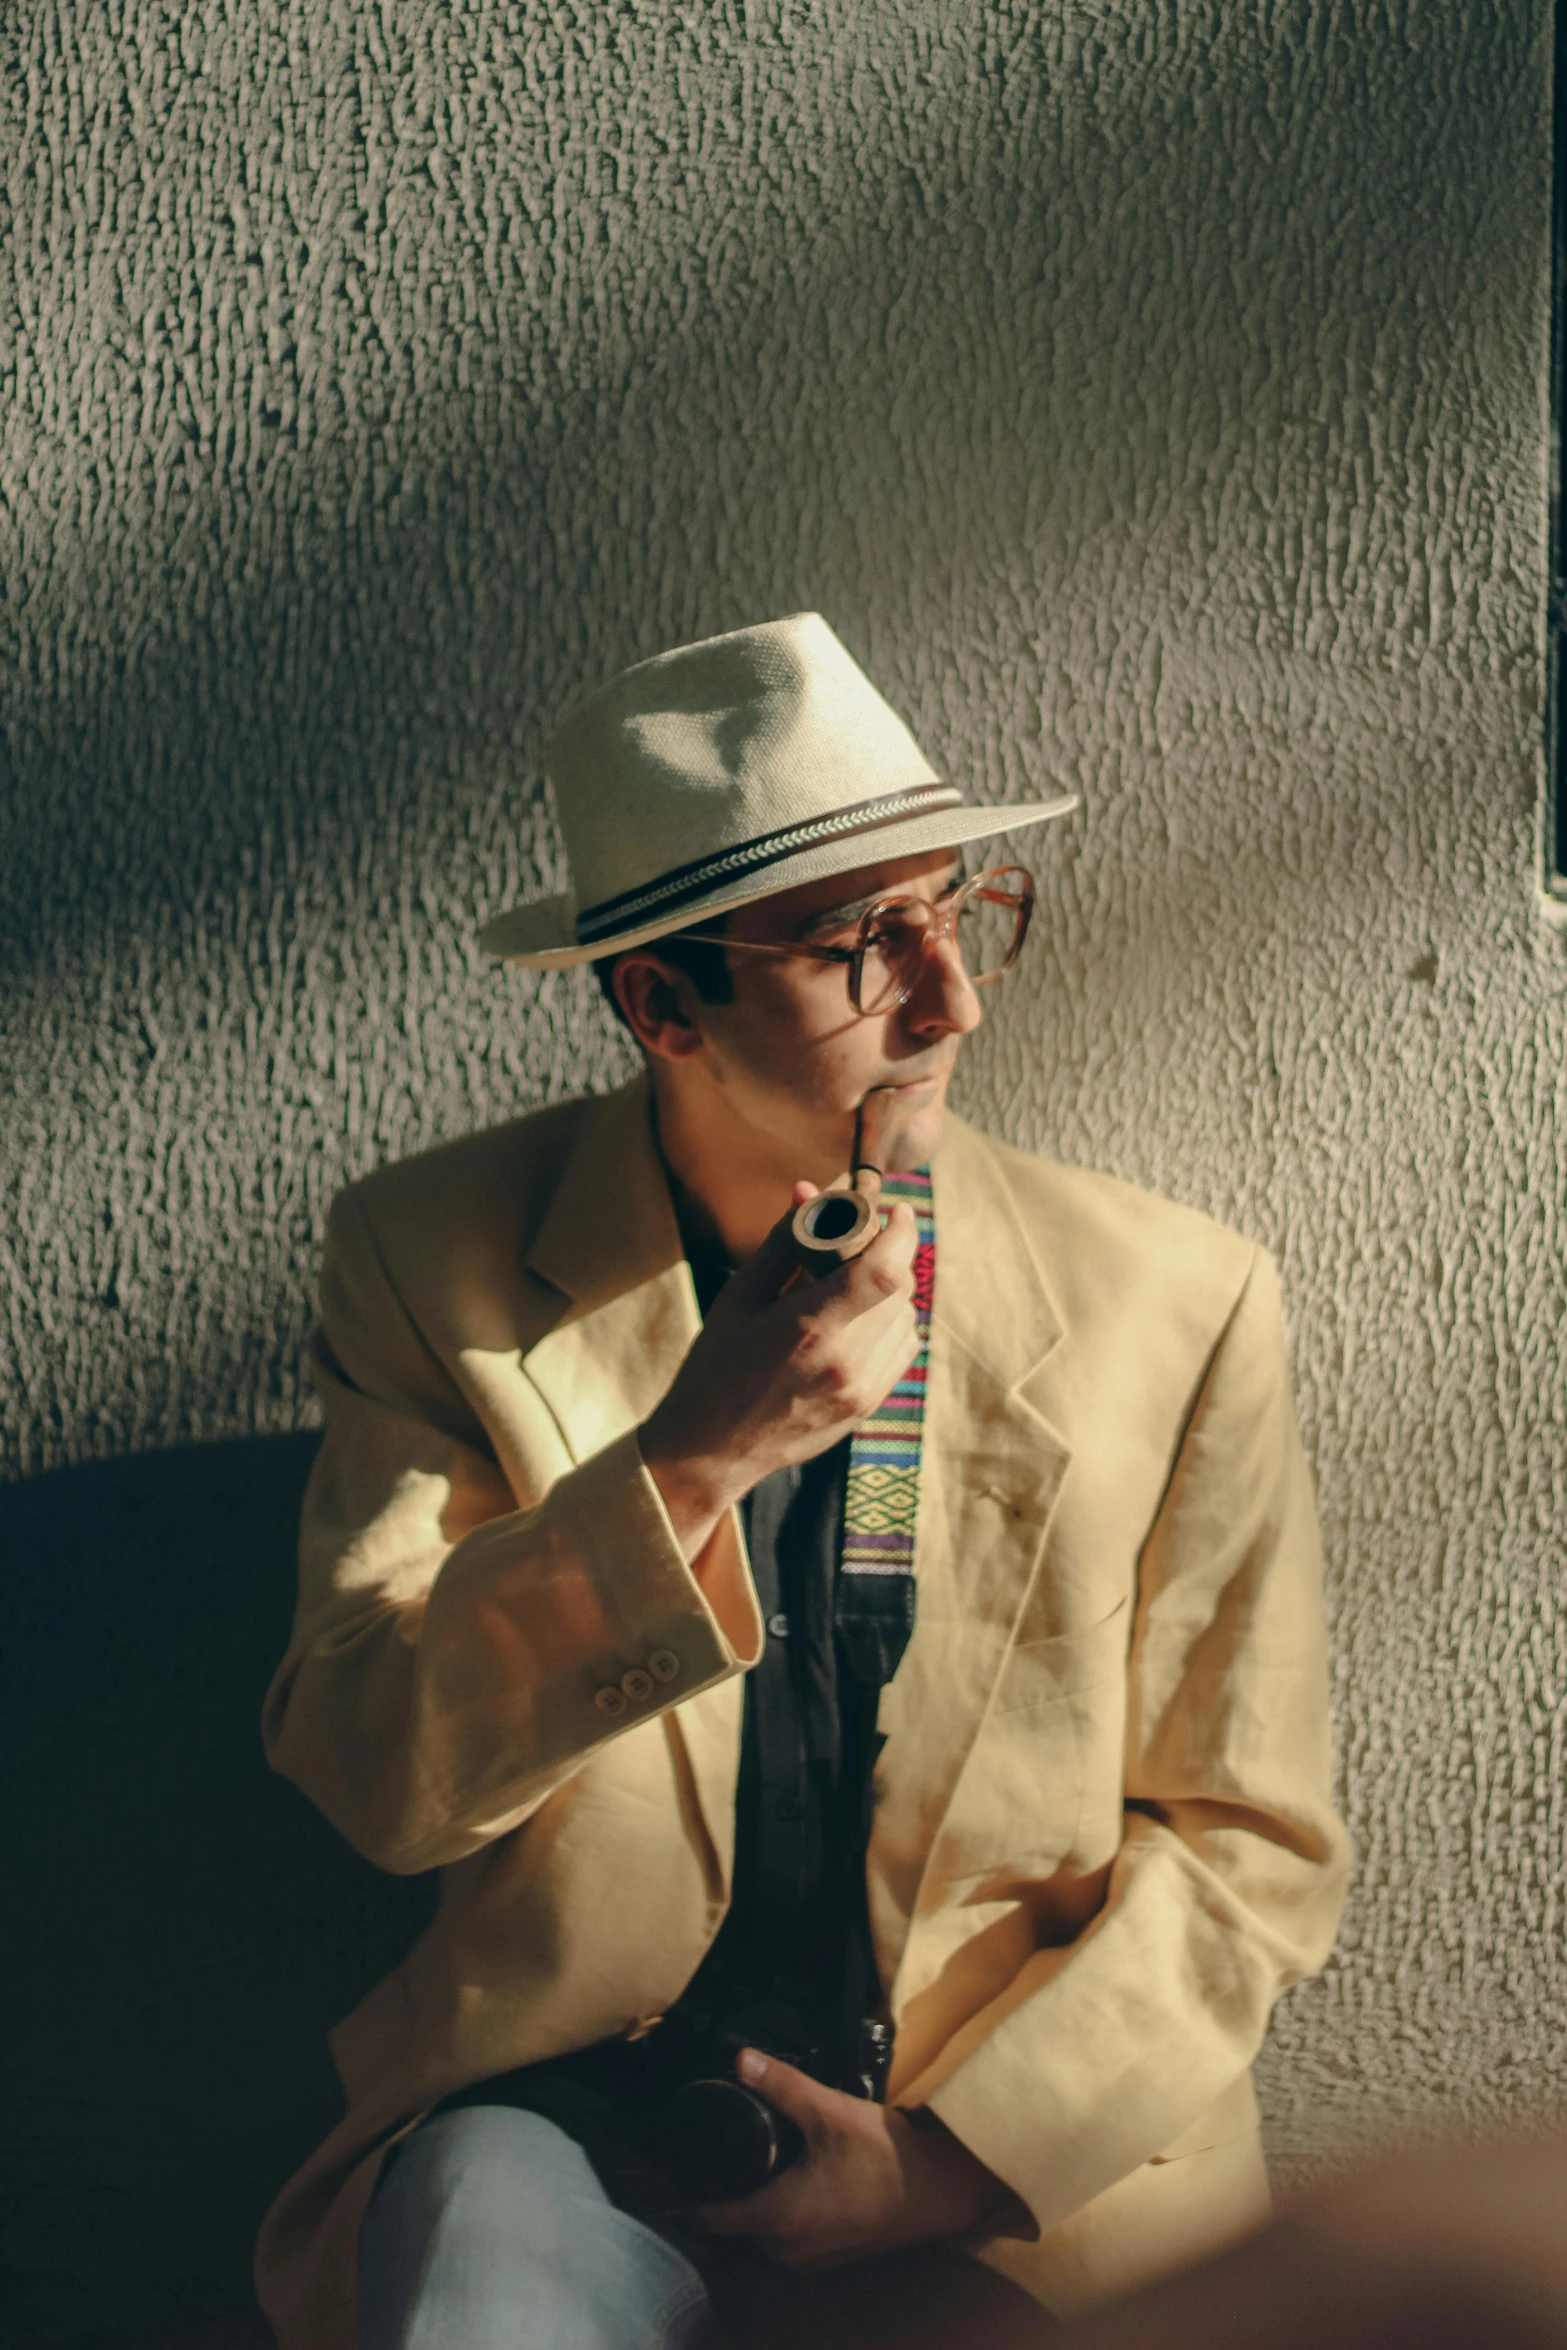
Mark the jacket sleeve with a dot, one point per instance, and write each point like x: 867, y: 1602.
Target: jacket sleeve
x: 455, y: 1657
x: 1230, y: 1874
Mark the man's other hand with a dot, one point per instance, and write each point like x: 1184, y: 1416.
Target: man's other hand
x: 781, y: 1369
x: 870, y: 2178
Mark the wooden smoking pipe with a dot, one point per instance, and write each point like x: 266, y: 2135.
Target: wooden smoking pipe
x: 837, y: 1225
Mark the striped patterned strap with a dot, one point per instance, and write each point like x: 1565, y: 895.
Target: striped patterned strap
x: 876, y: 1591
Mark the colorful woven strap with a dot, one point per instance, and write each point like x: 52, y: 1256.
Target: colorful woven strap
x: 876, y: 1589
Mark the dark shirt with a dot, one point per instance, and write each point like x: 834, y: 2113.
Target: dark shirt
x: 799, y: 1846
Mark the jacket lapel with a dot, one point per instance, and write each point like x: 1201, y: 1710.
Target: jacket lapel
x: 991, y: 1470
x: 610, y: 1244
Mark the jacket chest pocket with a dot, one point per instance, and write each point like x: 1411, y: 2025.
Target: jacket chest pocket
x: 1052, y: 1736
x: 1042, y: 1672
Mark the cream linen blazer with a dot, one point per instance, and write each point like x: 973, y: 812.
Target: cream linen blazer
x: 1103, y: 1836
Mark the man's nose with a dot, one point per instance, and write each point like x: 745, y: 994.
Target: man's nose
x: 943, y: 1000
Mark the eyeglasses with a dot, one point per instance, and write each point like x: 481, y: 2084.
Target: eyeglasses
x: 986, y: 918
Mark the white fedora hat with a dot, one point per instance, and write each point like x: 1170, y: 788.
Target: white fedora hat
x: 724, y: 772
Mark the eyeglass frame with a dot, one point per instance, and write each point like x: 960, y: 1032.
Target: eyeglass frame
x: 942, y: 925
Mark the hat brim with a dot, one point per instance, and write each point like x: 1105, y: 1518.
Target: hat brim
x: 542, y: 935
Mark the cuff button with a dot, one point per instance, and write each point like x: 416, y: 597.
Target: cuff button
x: 611, y: 1704
x: 663, y: 1664
x: 637, y: 1685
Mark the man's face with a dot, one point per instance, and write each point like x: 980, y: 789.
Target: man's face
x: 791, y: 1056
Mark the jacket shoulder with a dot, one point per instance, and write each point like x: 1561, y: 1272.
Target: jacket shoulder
x: 511, y: 1169
x: 1137, y: 1217
x: 450, y: 1229
x: 1100, y: 1238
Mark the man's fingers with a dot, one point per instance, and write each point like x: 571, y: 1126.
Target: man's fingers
x: 880, y: 1272
x: 848, y: 1291
x: 769, y: 2213
x: 885, y: 1367
x: 748, y: 2215
x: 893, y: 1359
x: 896, y: 1243
x: 763, y: 1276
x: 793, y: 2093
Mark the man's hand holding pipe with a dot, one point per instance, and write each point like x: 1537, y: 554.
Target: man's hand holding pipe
x: 780, y: 1370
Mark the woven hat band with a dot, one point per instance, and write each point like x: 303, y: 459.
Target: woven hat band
x: 704, y: 874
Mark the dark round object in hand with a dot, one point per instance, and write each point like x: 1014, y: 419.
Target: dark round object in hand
x: 837, y: 1225
x: 835, y: 1218
x: 720, y: 2141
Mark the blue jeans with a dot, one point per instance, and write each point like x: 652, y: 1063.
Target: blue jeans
x: 491, y: 2231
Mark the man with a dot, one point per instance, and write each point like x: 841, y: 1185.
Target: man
x: 1028, y: 1760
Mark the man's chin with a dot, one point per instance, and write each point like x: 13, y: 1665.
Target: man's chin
x: 914, y: 1137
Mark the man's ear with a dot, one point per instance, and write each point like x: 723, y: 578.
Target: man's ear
x: 659, y: 1004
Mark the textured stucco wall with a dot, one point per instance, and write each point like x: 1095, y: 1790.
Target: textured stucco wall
x: 1150, y: 391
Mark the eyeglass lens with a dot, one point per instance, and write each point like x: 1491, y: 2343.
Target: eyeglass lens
x: 988, y: 932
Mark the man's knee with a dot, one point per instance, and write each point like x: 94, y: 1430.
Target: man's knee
x: 490, y: 2227
x: 485, y: 2166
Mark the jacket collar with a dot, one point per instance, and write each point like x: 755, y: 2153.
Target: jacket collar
x: 610, y: 1246
x: 610, y: 1224
x: 992, y: 1294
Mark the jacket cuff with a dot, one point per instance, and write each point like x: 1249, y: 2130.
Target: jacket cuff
x: 1011, y: 2146
x: 665, y: 1638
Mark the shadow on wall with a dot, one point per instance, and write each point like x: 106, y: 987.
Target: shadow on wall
x: 340, y: 607
x: 187, y: 1926
x: 1002, y: 336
